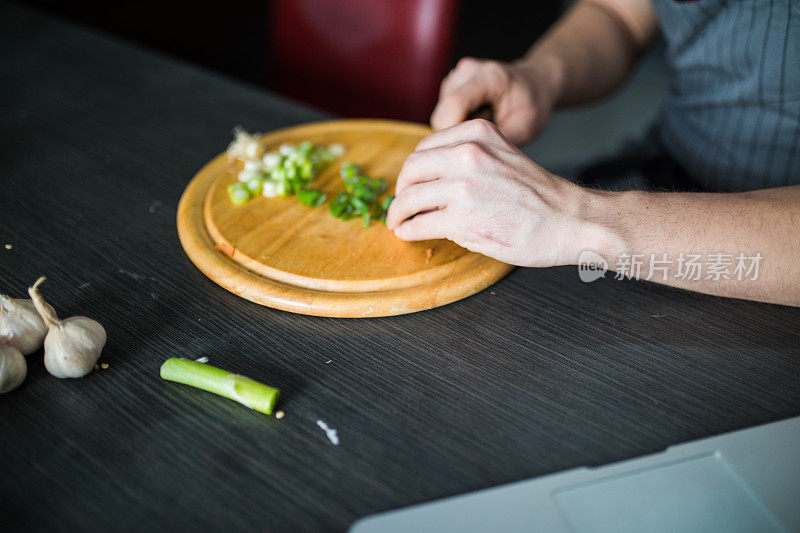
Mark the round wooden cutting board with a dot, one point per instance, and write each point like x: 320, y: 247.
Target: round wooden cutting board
x: 282, y: 254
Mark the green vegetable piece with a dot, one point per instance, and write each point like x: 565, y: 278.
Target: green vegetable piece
x: 304, y: 147
x: 365, y: 219
x: 349, y: 170
x: 307, y: 171
x: 359, y: 205
x: 283, y: 188
x: 278, y: 173
x: 310, y: 197
x: 379, y: 186
x: 368, y: 198
x: 255, y: 186
x: 387, y: 202
x: 239, y: 193
x: 338, y: 204
x: 238, y: 388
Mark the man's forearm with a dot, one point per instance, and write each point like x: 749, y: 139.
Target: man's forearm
x: 591, y: 50
x: 741, y: 245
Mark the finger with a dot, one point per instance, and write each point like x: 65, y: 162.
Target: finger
x: 425, y: 226
x: 456, y: 104
x: 517, y: 125
x: 420, y: 167
x: 415, y: 199
x: 471, y: 130
x: 464, y: 70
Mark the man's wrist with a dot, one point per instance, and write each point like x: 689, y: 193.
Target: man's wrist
x: 600, y: 224
x: 546, y: 72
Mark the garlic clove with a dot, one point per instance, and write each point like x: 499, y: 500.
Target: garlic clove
x: 13, y: 368
x: 20, y: 324
x: 73, y: 345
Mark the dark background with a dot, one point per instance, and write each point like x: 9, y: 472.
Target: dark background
x: 231, y: 37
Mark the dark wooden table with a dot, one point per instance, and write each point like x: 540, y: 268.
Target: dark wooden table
x: 538, y: 374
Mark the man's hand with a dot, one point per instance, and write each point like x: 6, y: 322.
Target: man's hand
x: 587, y: 54
x: 471, y: 185
x: 521, y: 96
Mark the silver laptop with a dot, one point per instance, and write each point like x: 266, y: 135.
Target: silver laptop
x: 748, y: 480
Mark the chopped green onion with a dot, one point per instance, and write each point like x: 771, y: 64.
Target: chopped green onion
x: 349, y: 170
x: 360, y: 196
x: 291, y: 170
x: 278, y: 174
x: 310, y: 197
x: 338, y: 205
x: 307, y: 170
x: 358, y: 204
x: 283, y: 188
x: 305, y: 147
x: 238, y: 388
x: 272, y: 160
x: 255, y: 186
x: 286, y: 171
x: 379, y: 186
x: 239, y: 193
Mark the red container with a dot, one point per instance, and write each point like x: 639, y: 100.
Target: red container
x: 363, y: 58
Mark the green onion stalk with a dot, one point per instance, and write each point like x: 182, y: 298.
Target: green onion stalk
x: 244, y: 390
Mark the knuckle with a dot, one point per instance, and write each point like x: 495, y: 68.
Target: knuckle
x: 466, y: 62
x: 482, y: 127
x: 497, y: 70
x: 470, y: 151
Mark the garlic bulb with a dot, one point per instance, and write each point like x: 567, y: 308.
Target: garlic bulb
x: 73, y: 345
x: 20, y: 325
x: 13, y: 368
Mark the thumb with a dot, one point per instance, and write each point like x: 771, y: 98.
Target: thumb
x: 454, y: 107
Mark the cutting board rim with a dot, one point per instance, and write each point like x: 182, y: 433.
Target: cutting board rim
x: 218, y: 259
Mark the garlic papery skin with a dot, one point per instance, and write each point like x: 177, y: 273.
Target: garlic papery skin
x: 20, y: 324
x: 13, y: 368
x: 73, y: 345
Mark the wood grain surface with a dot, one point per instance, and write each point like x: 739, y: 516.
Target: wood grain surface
x: 537, y: 374
x: 280, y: 253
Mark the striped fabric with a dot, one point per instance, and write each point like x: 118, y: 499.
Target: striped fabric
x: 732, y: 117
